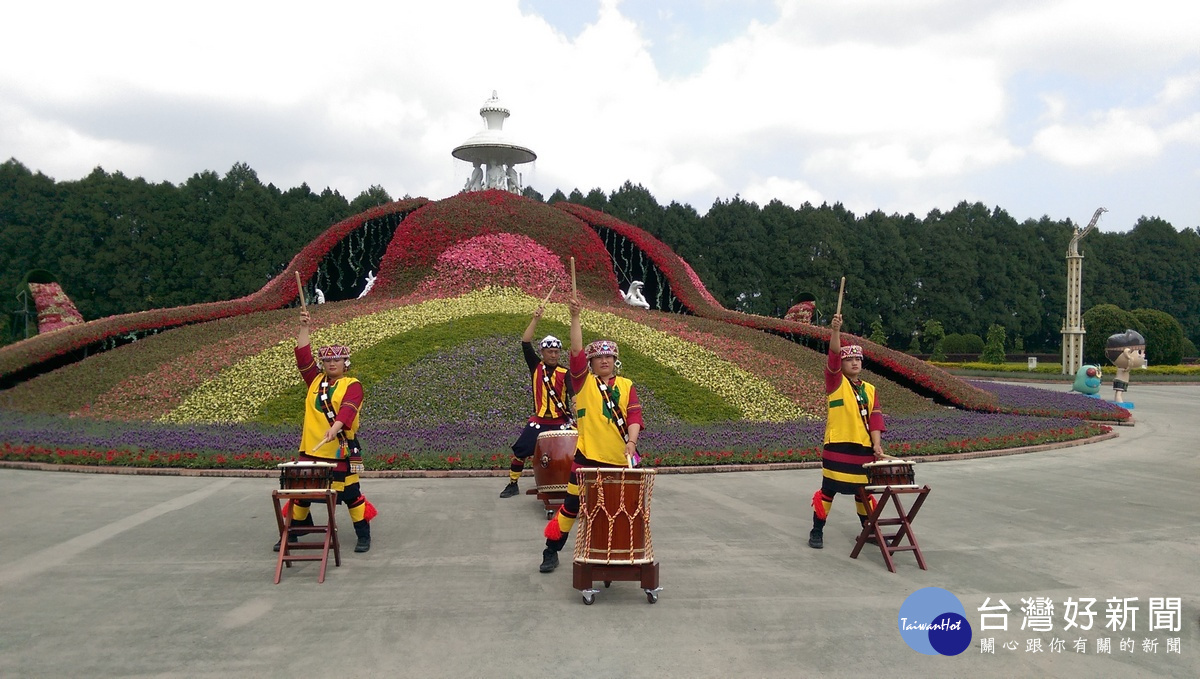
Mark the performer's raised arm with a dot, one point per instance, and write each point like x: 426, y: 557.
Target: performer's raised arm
x: 305, y: 362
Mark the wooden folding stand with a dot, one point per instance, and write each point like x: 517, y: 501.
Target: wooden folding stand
x: 328, y: 530
x: 873, y: 528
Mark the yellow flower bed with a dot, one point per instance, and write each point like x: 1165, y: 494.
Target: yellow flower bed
x: 244, y: 386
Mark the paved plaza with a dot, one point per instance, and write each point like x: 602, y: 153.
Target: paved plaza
x: 161, y: 576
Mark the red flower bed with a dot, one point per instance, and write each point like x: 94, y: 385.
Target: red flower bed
x: 427, y: 233
x: 54, y: 309
x: 277, y: 293
x: 687, y: 288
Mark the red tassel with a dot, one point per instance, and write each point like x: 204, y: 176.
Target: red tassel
x: 553, y: 532
x: 369, y: 512
x: 287, y: 509
x: 818, y: 504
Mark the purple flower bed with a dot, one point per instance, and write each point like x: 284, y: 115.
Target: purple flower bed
x: 1047, y: 402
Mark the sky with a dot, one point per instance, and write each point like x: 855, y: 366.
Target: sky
x: 1040, y: 107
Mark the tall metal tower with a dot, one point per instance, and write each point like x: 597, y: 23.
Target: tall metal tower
x: 1073, y: 330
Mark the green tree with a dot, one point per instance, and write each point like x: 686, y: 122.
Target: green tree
x: 374, y: 196
x: 877, y: 335
x: 934, y: 335
x: 1164, y: 336
x: 1101, y: 322
x: 914, y: 347
x: 993, y: 350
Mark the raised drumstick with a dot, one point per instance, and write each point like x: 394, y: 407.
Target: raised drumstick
x: 841, y: 289
x: 300, y: 287
x: 548, y: 296
x: 574, y: 290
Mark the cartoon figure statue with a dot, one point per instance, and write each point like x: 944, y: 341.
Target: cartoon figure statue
x: 634, y: 297
x: 512, y: 179
x: 804, y: 311
x: 1127, y: 351
x: 1087, y: 380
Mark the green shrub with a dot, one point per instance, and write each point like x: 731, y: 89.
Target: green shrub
x: 877, y: 335
x: 1101, y: 321
x: 935, y: 334
x: 915, y: 347
x: 962, y: 344
x: 1189, y: 348
x: 1164, y: 336
x: 993, y: 351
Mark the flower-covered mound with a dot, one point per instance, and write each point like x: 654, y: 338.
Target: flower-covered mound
x: 435, y: 345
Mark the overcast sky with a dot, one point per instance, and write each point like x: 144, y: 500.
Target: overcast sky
x: 1041, y: 107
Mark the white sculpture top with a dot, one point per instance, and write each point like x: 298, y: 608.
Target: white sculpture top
x: 370, y: 284
x: 320, y: 296
x: 634, y: 296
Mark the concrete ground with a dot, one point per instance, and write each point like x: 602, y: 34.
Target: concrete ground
x: 104, y: 576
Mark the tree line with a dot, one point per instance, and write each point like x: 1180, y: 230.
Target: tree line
x: 968, y: 268
x: 120, y: 244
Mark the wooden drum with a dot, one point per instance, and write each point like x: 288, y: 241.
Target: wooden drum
x: 894, y: 473
x: 553, y: 455
x: 303, y: 475
x: 614, y: 516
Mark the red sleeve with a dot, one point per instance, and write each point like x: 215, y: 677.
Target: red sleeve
x: 351, y: 403
x: 875, y: 420
x: 579, y: 371
x: 634, y: 416
x: 306, y: 364
x: 833, y: 373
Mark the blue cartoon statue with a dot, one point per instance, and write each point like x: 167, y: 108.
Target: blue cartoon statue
x: 1087, y: 380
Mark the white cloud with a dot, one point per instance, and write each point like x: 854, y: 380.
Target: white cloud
x: 787, y: 191
x: 867, y: 102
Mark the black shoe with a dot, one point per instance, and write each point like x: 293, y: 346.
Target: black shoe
x: 291, y: 538
x: 549, y: 560
x: 510, y: 490
x: 363, y: 530
x: 816, y: 538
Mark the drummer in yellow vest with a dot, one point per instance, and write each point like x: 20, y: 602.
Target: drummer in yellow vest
x: 331, y: 408
x: 609, y: 419
x: 852, y: 431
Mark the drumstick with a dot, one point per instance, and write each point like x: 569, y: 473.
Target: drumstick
x: 548, y: 296
x: 300, y: 287
x: 841, y: 289
x: 574, y: 291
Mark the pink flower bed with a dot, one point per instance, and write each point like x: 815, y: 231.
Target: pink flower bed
x: 499, y: 259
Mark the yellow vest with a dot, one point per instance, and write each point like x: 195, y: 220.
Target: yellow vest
x: 316, y: 423
x: 599, y: 438
x: 845, y: 423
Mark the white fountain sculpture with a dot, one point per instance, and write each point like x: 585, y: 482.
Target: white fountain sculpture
x: 320, y: 296
x: 634, y: 296
x: 494, y: 155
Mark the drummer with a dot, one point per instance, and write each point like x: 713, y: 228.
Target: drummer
x: 551, y: 389
x: 852, y: 431
x: 610, y: 421
x: 331, y: 409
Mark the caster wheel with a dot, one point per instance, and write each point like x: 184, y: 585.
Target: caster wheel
x: 589, y: 599
x: 607, y: 584
x: 549, y: 514
x: 652, y: 597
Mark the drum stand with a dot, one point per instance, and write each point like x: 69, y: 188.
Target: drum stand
x: 551, y: 500
x: 585, y: 574
x: 329, y: 530
x: 873, y: 528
